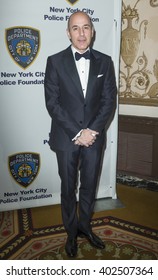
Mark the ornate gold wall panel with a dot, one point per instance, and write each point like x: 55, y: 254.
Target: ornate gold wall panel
x: 139, y: 53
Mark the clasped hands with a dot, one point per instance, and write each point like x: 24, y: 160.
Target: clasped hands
x: 87, y: 138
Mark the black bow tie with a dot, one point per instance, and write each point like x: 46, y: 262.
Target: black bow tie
x: 86, y: 55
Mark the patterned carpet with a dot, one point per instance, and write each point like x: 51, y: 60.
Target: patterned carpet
x: 124, y: 240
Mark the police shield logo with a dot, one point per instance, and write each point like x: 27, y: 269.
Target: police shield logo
x: 24, y: 167
x: 23, y: 44
x: 72, y: 2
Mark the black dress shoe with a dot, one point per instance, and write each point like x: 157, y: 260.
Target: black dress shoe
x: 71, y: 247
x: 93, y: 239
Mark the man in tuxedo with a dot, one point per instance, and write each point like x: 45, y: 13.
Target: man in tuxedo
x: 80, y: 94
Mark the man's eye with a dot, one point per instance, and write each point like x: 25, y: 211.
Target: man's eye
x: 86, y: 27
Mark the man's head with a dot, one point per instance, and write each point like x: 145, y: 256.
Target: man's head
x: 80, y: 30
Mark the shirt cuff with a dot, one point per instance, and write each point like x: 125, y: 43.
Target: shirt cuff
x: 77, y: 135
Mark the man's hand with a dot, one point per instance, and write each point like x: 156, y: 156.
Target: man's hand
x: 87, y: 137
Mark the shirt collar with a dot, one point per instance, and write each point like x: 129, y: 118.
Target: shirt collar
x: 74, y: 50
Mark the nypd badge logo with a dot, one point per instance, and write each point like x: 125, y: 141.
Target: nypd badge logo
x: 72, y: 2
x: 24, y: 167
x: 23, y: 44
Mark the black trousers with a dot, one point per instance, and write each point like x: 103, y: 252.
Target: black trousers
x: 88, y: 162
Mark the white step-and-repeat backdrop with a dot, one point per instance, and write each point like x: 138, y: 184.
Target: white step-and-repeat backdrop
x: 30, y: 31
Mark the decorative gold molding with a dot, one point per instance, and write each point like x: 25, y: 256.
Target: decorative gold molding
x: 136, y: 86
x: 154, y: 3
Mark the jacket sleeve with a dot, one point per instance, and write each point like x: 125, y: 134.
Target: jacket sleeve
x: 108, y: 99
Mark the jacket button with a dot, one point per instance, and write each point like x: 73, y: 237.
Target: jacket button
x: 81, y: 122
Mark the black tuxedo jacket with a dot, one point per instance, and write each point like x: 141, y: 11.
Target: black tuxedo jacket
x: 69, y: 110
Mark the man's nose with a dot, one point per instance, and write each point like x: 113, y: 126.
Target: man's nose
x: 81, y: 31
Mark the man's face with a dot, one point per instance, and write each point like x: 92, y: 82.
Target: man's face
x: 80, y: 31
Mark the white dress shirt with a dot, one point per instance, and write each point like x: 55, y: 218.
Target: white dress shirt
x: 83, y: 70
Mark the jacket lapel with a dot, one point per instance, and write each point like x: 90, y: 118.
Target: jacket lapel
x: 93, y: 72
x: 70, y: 67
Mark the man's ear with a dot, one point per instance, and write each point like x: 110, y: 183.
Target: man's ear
x: 93, y: 31
x: 68, y: 34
